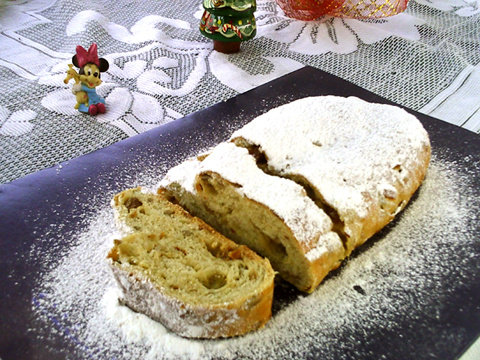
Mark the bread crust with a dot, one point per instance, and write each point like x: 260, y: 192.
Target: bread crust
x: 361, y: 162
x: 196, y: 318
x: 220, y: 321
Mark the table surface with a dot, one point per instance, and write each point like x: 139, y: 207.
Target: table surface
x: 162, y: 69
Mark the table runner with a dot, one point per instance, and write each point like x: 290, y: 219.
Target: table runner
x: 162, y: 68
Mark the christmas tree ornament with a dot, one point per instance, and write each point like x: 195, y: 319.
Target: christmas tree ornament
x: 228, y: 23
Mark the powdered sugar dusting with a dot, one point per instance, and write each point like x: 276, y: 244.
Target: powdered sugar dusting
x: 328, y: 244
x: 184, y: 174
x: 344, y: 147
x: 285, y: 198
x: 404, y: 275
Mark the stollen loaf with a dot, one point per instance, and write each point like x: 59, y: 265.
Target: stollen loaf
x: 179, y: 271
x: 308, y: 182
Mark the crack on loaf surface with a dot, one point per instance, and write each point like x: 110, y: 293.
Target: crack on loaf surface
x: 261, y: 160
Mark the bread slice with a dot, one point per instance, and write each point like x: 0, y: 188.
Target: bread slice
x: 269, y: 214
x: 361, y: 162
x: 179, y: 271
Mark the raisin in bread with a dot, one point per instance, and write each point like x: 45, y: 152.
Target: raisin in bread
x: 361, y: 162
x: 269, y: 214
x: 179, y: 271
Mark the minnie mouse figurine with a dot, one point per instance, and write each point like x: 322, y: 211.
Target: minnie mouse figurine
x: 87, y: 79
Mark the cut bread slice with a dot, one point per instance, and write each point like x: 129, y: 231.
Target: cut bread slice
x: 361, y: 162
x: 179, y: 271
x: 269, y: 214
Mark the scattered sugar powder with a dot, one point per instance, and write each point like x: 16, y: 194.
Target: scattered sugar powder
x: 399, y: 277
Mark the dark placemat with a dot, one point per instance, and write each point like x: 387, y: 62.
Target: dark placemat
x: 30, y: 205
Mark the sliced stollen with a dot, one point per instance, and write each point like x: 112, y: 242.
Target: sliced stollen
x: 361, y: 162
x: 269, y: 214
x: 179, y: 271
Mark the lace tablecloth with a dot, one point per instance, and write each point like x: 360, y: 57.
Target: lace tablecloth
x: 162, y: 68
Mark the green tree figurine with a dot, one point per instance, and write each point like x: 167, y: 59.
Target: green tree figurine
x: 228, y: 22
